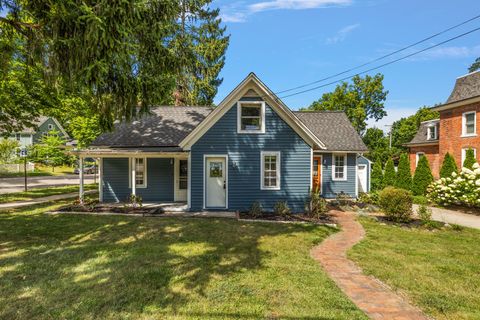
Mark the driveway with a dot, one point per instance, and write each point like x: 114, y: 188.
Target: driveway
x: 9, y: 185
x: 454, y: 217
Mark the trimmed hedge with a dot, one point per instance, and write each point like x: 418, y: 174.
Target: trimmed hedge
x: 404, y: 176
x: 448, y: 166
x: 396, y: 204
x: 389, y: 175
x: 422, y: 178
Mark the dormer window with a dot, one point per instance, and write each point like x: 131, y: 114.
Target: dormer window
x: 432, y: 132
x: 251, y: 117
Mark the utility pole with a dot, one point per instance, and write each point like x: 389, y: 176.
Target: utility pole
x: 390, y: 134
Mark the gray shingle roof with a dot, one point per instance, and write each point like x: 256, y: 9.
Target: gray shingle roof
x: 421, y: 135
x: 334, y: 129
x: 466, y: 87
x: 165, y: 127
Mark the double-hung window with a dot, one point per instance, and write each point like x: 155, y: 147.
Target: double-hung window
x: 251, y: 117
x: 419, y: 155
x: 140, y: 172
x: 469, y: 120
x: 339, y: 168
x: 270, y: 170
x: 432, y: 132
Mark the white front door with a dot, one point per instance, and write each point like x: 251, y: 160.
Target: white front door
x: 215, y: 182
x: 362, y: 178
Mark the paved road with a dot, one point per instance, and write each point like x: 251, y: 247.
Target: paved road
x: 18, y: 204
x: 454, y: 217
x: 9, y: 185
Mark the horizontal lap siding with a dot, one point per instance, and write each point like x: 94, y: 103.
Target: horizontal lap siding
x: 160, y: 186
x: 332, y: 187
x: 244, y: 150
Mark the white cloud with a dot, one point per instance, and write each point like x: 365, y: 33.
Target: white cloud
x: 238, y: 12
x: 450, y: 52
x: 342, y: 34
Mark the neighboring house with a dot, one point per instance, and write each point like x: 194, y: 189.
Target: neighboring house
x: 251, y: 147
x: 457, y: 129
x: 31, y: 136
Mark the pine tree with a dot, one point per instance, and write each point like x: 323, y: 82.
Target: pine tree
x: 422, y: 177
x: 404, y: 176
x: 377, y: 177
x: 448, y: 166
x: 469, y: 159
x: 389, y: 175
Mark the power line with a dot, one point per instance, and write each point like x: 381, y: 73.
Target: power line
x: 382, y: 65
x: 382, y: 57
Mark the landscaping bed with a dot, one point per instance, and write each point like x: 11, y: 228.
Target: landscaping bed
x: 295, y: 217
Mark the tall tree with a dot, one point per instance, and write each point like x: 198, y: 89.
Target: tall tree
x: 475, y: 65
x: 422, y: 177
x: 469, y: 159
x: 378, y: 145
x: 389, y: 175
x: 50, y: 150
x: 361, y: 100
x: 122, y: 55
x: 377, y: 176
x: 448, y: 166
x: 8, y: 148
x: 404, y: 175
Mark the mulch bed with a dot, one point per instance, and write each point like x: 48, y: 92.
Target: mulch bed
x: 297, y: 217
x: 413, y: 223
x: 114, y: 209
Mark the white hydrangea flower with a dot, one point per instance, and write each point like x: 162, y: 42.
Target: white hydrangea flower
x: 476, y: 165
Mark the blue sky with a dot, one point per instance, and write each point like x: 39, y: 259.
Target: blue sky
x: 291, y: 42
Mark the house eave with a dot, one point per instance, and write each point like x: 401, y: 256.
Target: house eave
x: 422, y: 144
x: 456, y: 104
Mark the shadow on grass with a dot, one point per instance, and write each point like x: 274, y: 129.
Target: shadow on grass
x: 89, y: 267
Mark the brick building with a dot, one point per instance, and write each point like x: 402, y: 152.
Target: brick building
x: 456, y: 131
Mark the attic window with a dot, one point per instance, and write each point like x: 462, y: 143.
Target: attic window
x: 50, y: 126
x: 251, y: 117
x: 432, y: 132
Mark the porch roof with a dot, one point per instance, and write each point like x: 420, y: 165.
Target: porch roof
x: 121, y: 152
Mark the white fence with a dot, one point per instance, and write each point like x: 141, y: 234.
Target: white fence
x: 16, y: 167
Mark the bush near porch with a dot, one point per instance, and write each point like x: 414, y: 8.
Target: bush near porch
x: 110, y: 267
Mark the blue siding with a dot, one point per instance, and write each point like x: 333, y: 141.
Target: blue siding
x: 332, y: 187
x: 244, y: 150
x: 365, y: 161
x: 160, y: 180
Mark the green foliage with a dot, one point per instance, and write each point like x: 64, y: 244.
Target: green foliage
x: 361, y: 100
x: 404, y: 175
x: 256, y: 210
x: 368, y: 198
x: 469, y: 159
x: 405, y: 129
x: 422, y: 178
x: 390, y: 174
x: 475, y: 65
x: 396, y: 204
x: 84, y: 129
x: 420, y: 200
x: 50, y: 150
x: 377, y: 177
x: 317, y: 206
x: 282, y: 209
x: 378, y: 145
x: 343, y: 198
x: 448, y: 166
x: 424, y: 213
x: 119, y: 56
x: 8, y: 148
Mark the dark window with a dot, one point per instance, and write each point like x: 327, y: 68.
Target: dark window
x: 183, y: 174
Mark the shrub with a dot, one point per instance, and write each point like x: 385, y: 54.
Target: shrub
x: 448, y: 166
x: 422, y: 178
x: 424, y: 213
x: 368, y: 198
x: 317, y: 206
x: 396, y: 204
x: 389, y: 176
x: 282, y: 209
x: 420, y: 200
x: 343, y: 199
x: 377, y: 177
x: 255, y: 210
x: 469, y: 159
x: 404, y: 176
x: 461, y: 189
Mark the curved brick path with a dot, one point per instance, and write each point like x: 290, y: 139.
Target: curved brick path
x: 371, y: 295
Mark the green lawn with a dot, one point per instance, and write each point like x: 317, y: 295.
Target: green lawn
x: 42, y: 192
x: 439, y: 271
x: 89, y: 267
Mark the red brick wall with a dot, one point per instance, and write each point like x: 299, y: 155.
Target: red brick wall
x: 451, y: 131
x: 431, y: 152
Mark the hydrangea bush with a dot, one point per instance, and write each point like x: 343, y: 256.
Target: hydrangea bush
x: 460, y: 189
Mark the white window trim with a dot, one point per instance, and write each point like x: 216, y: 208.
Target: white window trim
x: 130, y: 163
x: 464, y: 124
x: 262, y: 168
x: 417, y: 157
x: 262, y: 117
x: 464, y: 154
x: 435, y: 128
x: 345, y: 168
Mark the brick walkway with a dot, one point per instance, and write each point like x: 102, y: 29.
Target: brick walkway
x: 371, y: 295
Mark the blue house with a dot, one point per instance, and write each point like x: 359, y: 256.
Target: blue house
x: 251, y: 147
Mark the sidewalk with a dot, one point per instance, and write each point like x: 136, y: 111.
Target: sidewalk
x: 18, y: 204
x: 454, y: 217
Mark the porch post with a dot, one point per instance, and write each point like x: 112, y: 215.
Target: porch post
x: 80, y: 173
x: 100, y: 179
x: 133, y: 173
